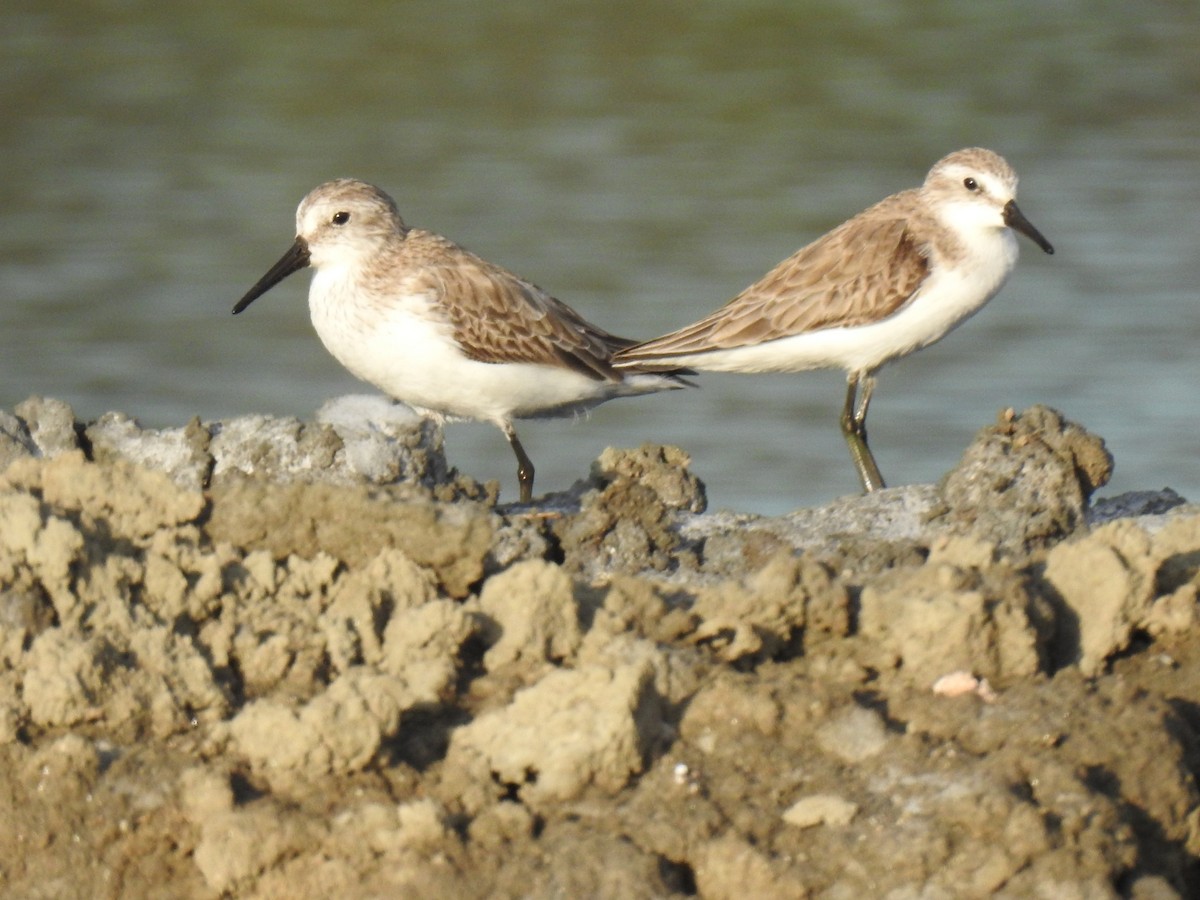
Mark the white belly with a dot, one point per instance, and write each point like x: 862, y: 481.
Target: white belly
x: 400, y: 348
x: 946, y: 299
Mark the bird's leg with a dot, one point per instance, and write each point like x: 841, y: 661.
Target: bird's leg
x: 854, y: 427
x: 524, y: 463
x: 867, y: 388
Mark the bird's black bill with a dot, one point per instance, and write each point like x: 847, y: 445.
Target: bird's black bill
x: 295, y: 258
x: 1015, y: 219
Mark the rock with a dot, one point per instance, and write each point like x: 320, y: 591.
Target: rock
x: 765, y: 612
x: 296, y: 687
x: 238, y: 845
x: 534, y: 615
x: 721, y: 707
x: 180, y: 453
x: 368, y: 600
x: 729, y: 868
x: 40, y: 550
x: 820, y: 809
x: 938, y: 618
x: 1104, y: 584
x: 1025, y: 482
x: 119, y: 497
x: 15, y: 440
x: 352, y: 524
x: 339, y: 731
x: 571, y: 730
x: 281, y: 450
x: 853, y: 736
x: 630, y: 872
x: 853, y: 537
x: 1134, y: 504
x: 63, y: 681
x: 384, y: 442
x: 627, y: 520
x: 50, y: 424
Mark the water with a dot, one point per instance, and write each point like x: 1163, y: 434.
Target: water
x: 643, y: 162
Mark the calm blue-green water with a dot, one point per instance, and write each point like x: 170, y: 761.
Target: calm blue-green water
x: 642, y: 161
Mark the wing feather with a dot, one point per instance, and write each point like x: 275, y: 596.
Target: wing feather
x: 865, y: 269
x: 498, y: 317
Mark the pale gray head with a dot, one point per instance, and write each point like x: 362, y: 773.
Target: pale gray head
x: 345, y: 219
x: 341, y: 222
x: 975, y: 190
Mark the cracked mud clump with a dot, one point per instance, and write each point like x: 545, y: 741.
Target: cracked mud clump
x: 310, y: 659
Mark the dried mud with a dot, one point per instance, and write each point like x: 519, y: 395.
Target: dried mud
x: 266, y: 658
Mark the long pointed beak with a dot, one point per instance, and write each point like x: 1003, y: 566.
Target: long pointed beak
x: 1015, y: 219
x: 296, y: 258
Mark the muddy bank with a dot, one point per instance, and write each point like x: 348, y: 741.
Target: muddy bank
x: 280, y: 659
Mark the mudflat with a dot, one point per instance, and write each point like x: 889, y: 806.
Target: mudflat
x: 272, y: 658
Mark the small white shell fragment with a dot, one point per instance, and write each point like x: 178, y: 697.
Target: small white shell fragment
x: 820, y: 809
x: 955, y: 684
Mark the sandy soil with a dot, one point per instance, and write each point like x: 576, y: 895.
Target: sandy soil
x: 266, y: 658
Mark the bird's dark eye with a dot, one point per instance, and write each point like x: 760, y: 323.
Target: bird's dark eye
x: 340, y: 218
x: 970, y: 184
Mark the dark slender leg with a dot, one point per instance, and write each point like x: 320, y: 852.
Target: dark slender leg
x: 854, y: 427
x: 524, y: 463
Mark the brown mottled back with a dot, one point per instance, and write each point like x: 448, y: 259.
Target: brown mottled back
x: 498, y: 317
x: 865, y: 269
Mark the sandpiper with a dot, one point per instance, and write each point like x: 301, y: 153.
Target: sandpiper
x: 440, y: 329
x: 893, y: 279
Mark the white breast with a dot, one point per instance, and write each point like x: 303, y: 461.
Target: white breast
x: 944, y: 300
x: 401, y: 345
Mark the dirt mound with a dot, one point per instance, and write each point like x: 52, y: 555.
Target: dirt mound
x: 274, y: 658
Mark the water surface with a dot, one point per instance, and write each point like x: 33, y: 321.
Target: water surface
x: 643, y: 162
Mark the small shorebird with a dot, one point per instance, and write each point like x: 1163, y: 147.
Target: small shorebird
x: 434, y: 326
x: 891, y: 280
